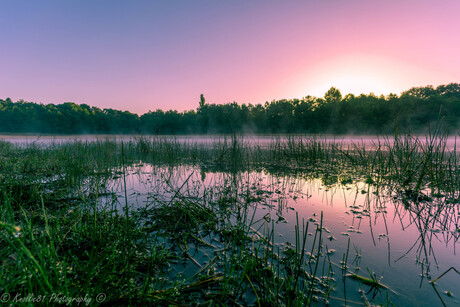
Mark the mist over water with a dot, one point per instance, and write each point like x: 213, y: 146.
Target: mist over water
x: 369, y: 142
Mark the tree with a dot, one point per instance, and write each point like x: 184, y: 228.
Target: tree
x: 202, y: 114
x: 452, y: 89
x: 415, y: 110
x: 202, y: 101
x: 333, y: 95
x: 423, y: 92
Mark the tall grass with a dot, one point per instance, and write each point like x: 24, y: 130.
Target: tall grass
x: 65, y: 243
x: 55, y: 237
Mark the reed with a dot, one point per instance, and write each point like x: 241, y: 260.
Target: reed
x: 56, y: 237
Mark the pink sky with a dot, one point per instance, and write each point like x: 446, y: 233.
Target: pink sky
x: 145, y: 55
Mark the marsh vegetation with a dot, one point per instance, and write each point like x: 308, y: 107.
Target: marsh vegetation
x: 297, y: 221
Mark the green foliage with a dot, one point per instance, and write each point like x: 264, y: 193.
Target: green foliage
x: 333, y: 95
x: 416, y: 110
x: 59, y: 232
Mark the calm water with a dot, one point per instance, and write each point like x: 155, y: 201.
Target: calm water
x: 399, y: 246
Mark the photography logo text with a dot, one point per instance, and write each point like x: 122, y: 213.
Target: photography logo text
x: 55, y: 298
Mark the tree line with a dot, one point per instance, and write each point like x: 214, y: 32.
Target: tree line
x: 415, y: 110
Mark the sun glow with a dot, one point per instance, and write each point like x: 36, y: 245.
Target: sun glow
x: 357, y: 83
x: 358, y: 74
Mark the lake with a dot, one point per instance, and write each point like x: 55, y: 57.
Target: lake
x: 399, y: 246
x: 376, y: 237
x: 259, y: 140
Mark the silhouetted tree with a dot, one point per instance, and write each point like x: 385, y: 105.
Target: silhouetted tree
x: 333, y: 95
x: 202, y: 101
x: 416, y: 110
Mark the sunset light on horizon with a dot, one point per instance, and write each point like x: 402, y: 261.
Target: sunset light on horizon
x: 221, y: 153
x: 147, y: 55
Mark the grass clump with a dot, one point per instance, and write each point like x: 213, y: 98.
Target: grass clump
x: 197, y: 243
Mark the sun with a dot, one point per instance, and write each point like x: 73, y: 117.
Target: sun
x: 355, y: 74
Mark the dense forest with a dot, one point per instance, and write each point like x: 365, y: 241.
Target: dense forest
x: 415, y: 110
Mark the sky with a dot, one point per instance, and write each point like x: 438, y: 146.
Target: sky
x: 147, y: 55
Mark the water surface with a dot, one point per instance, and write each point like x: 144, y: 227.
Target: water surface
x: 367, y: 141
x: 399, y: 246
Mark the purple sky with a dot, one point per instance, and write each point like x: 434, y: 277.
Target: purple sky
x: 148, y: 55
